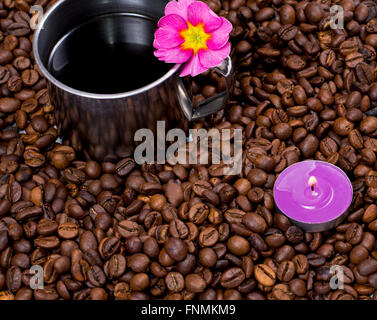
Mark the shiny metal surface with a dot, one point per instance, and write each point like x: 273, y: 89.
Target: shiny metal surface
x: 102, y: 126
x: 320, y: 227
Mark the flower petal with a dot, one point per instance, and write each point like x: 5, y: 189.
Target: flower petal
x: 173, y: 55
x: 173, y: 21
x: 212, y: 58
x: 192, y: 67
x: 199, y: 12
x: 167, y: 38
x: 220, y: 36
x: 179, y: 8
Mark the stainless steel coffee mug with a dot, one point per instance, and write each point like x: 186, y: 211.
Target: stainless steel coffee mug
x: 102, y: 126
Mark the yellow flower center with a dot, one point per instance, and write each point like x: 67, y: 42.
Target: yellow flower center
x: 195, y: 38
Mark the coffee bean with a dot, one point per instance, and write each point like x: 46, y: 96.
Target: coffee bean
x: 76, y: 211
x: 254, y: 222
x: 14, y: 191
x: 62, y: 156
x: 294, y: 234
x: 296, y: 63
x: 9, y: 105
x: 138, y: 262
x: 314, y: 12
x: 18, y: 29
x: 264, y: 14
x: 4, y: 75
x: 21, y: 63
x: 282, y: 131
x: 195, y: 283
x: 371, y: 179
x: 232, y: 277
x: 367, y: 267
x: 175, y: 282
x: 187, y: 265
x: 47, y: 242
x: 354, y: 233
x: 316, y: 260
x: 39, y: 124
x: 342, y: 126
x: 198, y: 213
x: 108, y: 247
x: 128, y: 228
x: 257, y: 177
x: 208, y: 237
x: 207, y: 257
x: 238, y: 245
x: 96, y: 276
x: 68, y: 230
x: 358, y: 254
x: 309, y: 145
x: 157, y: 202
x: 353, y: 59
x: 368, y: 125
x: 114, y: 229
x: 282, y: 292
x: 46, y: 227
x: 176, y: 249
x: 30, y: 77
x: 297, y: 286
x: 6, y: 56
x: 98, y: 294
x: 33, y: 158
x: 62, y: 264
x: 355, y: 139
x: 13, y: 278
x: 46, y: 294
x: 286, y: 271
x: 264, y: 275
x: 287, y: 14
x: 133, y: 244
x: 178, y: 229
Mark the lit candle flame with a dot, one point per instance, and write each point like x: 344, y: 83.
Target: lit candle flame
x: 312, y: 182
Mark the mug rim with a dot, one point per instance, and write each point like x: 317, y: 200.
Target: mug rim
x: 85, y: 94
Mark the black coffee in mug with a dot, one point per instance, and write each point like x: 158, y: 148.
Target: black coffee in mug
x: 109, y: 54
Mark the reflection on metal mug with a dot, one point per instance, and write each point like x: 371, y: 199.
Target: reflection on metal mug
x: 102, y: 126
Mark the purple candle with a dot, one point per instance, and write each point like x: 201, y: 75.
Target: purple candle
x: 315, y: 195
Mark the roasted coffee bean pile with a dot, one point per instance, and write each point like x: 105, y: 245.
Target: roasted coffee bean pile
x: 119, y: 231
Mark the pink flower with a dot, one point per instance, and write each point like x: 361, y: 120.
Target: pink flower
x: 190, y: 33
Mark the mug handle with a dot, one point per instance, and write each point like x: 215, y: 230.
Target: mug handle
x: 211, y: 105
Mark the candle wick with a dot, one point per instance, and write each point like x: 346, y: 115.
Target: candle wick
x: 313, y: 187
